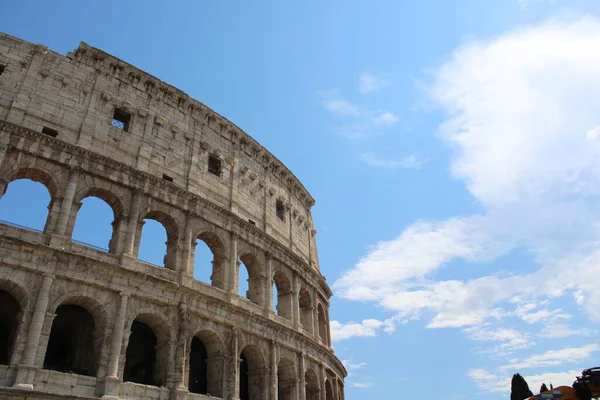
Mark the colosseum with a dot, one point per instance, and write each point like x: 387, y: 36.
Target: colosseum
x: 78, y: 322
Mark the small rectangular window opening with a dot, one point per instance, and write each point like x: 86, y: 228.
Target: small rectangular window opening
x: 2, y: 68
x: 49, y: 131
x: 167, y: 178
x: 121, y: 119
x: 252, y: 222
x: 280, y: 210
x: 214, y: 165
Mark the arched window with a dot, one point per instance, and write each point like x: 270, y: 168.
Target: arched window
x: 198, y: 378
x: 26, y: 203
x: 251, y: 383
x: 158, y: 228
x: 322, y: 324
x: 286, y: 379
x: 209, y: 260
x: 328, y: 390
x: 9, y: 315
x: 306, y: 311
x: 205, y: 364
x: 71, y: 346
x: 140, y: 363
x: 312, y: 385
x: 254, y: 293
x: 95, y: 224
x: 283, y: 296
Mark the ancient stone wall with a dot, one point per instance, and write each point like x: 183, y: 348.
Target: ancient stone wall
x: 88, y: 124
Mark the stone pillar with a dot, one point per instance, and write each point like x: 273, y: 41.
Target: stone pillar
x: 273, y: 386
x: 296, y: 301
x: 323, y: 380
x: 234, y: 367
x: 234, y: 274
x: 187, y: 262
x: 26, y: 368
x: 3, y: 186
x: 315, y: 316
x: 67, y: 203
x: 117, y: 338
x: 269, y: 285
x: 4, y: 140
x: 111, y: 382
x: 301, y: 377
x: 134, y: 212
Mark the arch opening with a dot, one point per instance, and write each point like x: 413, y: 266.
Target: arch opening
x: 306, y: 311
x: 251, y: 385
x: 286, y: 379
x: 95, y: 224
x: 282, y: 294
x: 155, y: 228
x: 71, y: 346
x: 198, y: 378
x: 209, y: 260
x: 254, y: 292
x: 9, y: 320
x: 26, y: 203
x: 140, y: 356
x: 322, y: 324
x: 312, y: 385
x: 328, y: 390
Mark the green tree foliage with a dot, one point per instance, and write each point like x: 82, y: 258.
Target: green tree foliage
x: 544, y: 388
x: 519, y: 389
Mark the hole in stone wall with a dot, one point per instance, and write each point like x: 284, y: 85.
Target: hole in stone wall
x: 312, y: 385
x: 121, y: 119
x: 140, y: 355
x: 280, y: 210
x: 49, y: 131
x: 286, y: 379
x: 244, y: 287
x: 282, y: 293
x: 2, y: 68
x: 153, y: 247
x: 214, y: 165
x: 252, y: 222
x: 94, y: 224
x: 198, y: 367
x: 244, y: 384
x: 167, y: 178
x: 9, y: 312
x: 71, y: 346
x: 203, y: 262
x: 26, y: 204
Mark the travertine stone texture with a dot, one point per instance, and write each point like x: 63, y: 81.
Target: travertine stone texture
x: 57, y: 128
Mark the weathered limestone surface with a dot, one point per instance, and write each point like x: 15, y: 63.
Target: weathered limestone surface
x: 175, y: 161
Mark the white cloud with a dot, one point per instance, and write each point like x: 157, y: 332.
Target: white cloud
x: 522, y: 120
x: 368, y: 83
x: 362, y: 385
x: 554, y: 357
x: 368, y: 327
x: 408, y: 162
x: 340, y: 107
x: 490, y: 382
x: 510, y: 339
x: 555, y: 330
x: 386, y: 118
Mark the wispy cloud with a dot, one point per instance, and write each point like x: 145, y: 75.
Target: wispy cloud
x: 554, y: 357
x: 369, y: 82
x: 408, y: 162
x: 386, y: 118
x: 521, y: 122
x: 340, y: 107
x: 368, y: 327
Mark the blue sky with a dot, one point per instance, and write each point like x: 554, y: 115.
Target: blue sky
x: 453, y: 148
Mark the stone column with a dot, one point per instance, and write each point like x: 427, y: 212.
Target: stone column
x: 134, y: 212
x: 323, y: 380
x: 67, y: 203
x: 26, y: 368
x: 315, y: 315
x: 301, y: 377
x: 117, y: 338
x: 231, y: 370
x: 234, y: 266
x: 296, y: 301
x: 187, y: 263
x: 273, y: 386
x: 112, y: 381
x: 269, y: 285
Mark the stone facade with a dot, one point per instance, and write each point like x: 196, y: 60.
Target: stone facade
x: 89, y: 124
